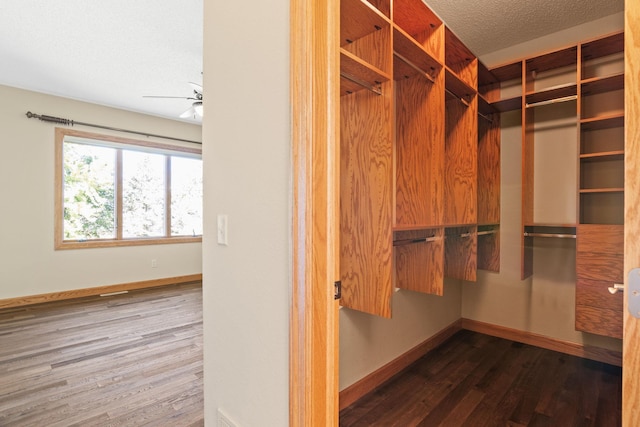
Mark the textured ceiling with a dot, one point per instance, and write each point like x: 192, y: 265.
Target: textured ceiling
x: 110, y: 52
x: 489, y: 25
x: 113, y: 52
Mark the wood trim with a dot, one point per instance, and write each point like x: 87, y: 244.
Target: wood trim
x: 375, y: 379
x: 61, y: 244
x: 315, y: 101
x: 62, y: 132
x: 631, y: 334
x: 87, y: 292
x: 588, y: 352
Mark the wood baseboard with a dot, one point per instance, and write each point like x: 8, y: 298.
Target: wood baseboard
x: 588, y: 352
x: 375, y: 379
x: 87, y: 292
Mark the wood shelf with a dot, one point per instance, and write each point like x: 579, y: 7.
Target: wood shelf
x: 508, y: 104
x: 558, y: 59
x: 357, y: 74
x: 598, y: 85
x: 460, y: 60
x: 607, y: 155
x: 412, y: 57
x: 456, y: 88
x: 359, y: 18
x: 424, y: 26
x: 602, y: 122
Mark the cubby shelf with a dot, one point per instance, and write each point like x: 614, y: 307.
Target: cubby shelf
x: 602, y: 122
x: 596, y: 85
x: 357, y: 74
x: 456, y: 88
x: 413, y: 58
x: 608, y: 155
x: 359, y: 18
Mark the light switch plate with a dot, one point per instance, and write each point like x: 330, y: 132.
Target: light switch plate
x: 222, y: 230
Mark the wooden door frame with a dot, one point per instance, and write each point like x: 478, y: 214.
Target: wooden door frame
x: 631, y: 336
x: 315, y: 101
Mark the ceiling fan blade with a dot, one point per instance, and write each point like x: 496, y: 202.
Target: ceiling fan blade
x: 191, y: 112
x: 196, y: 87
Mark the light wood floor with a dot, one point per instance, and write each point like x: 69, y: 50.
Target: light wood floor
x: 125, y: 360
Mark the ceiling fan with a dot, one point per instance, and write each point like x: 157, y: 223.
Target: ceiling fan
x: 196, y: 108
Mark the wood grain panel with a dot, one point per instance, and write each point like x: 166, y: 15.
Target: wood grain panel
x: 419, y: 151
x: 599, y: 321
x: 631, y: 350
x: 315, y: 150
x: 489, y: 170
x: 608, y: 239
x: 460, y: 256
x: 598, y: 266
x: 488, y: 252
x: 594, y: 293
x: 460, y: 59
x: 416, y: 19
x: 374, y: 48
x: 366, y: 201
x: 461, y: 162
x: 420, y: 266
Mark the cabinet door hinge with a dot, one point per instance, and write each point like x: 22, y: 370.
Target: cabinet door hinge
x: 337, y: 290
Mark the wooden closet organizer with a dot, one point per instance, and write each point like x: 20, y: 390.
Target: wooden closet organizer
x: 420, y: 158
x: 579, y: 92
x: 420, y: 155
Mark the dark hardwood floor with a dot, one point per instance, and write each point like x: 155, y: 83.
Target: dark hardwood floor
x: 124, y: 360
x: 477, y: 380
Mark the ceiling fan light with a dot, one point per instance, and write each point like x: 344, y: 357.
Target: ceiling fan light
x: 197, y: 106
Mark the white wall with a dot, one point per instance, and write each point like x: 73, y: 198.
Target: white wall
x: 369, y: 342
x: 246, y: 150
x: 543, y: 304
x: 28, y: 263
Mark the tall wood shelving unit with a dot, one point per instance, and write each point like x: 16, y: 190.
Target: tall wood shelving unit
x: 419, y: 174
x: 579, y: 89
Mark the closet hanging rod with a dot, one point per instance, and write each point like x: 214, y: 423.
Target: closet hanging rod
x: 361, y: 83
x: 464, y: 101
x: 415, y: 67
x: 558, y: 236
x: 459, y: 236
x: 485, y: 117
x: 418, y: 240
x: 552, y: 101
x: 68, y: 122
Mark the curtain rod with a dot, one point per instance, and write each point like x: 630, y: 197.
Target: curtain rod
x: 68, y: 122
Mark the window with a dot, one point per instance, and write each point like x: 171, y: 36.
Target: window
x: 117, y: 192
